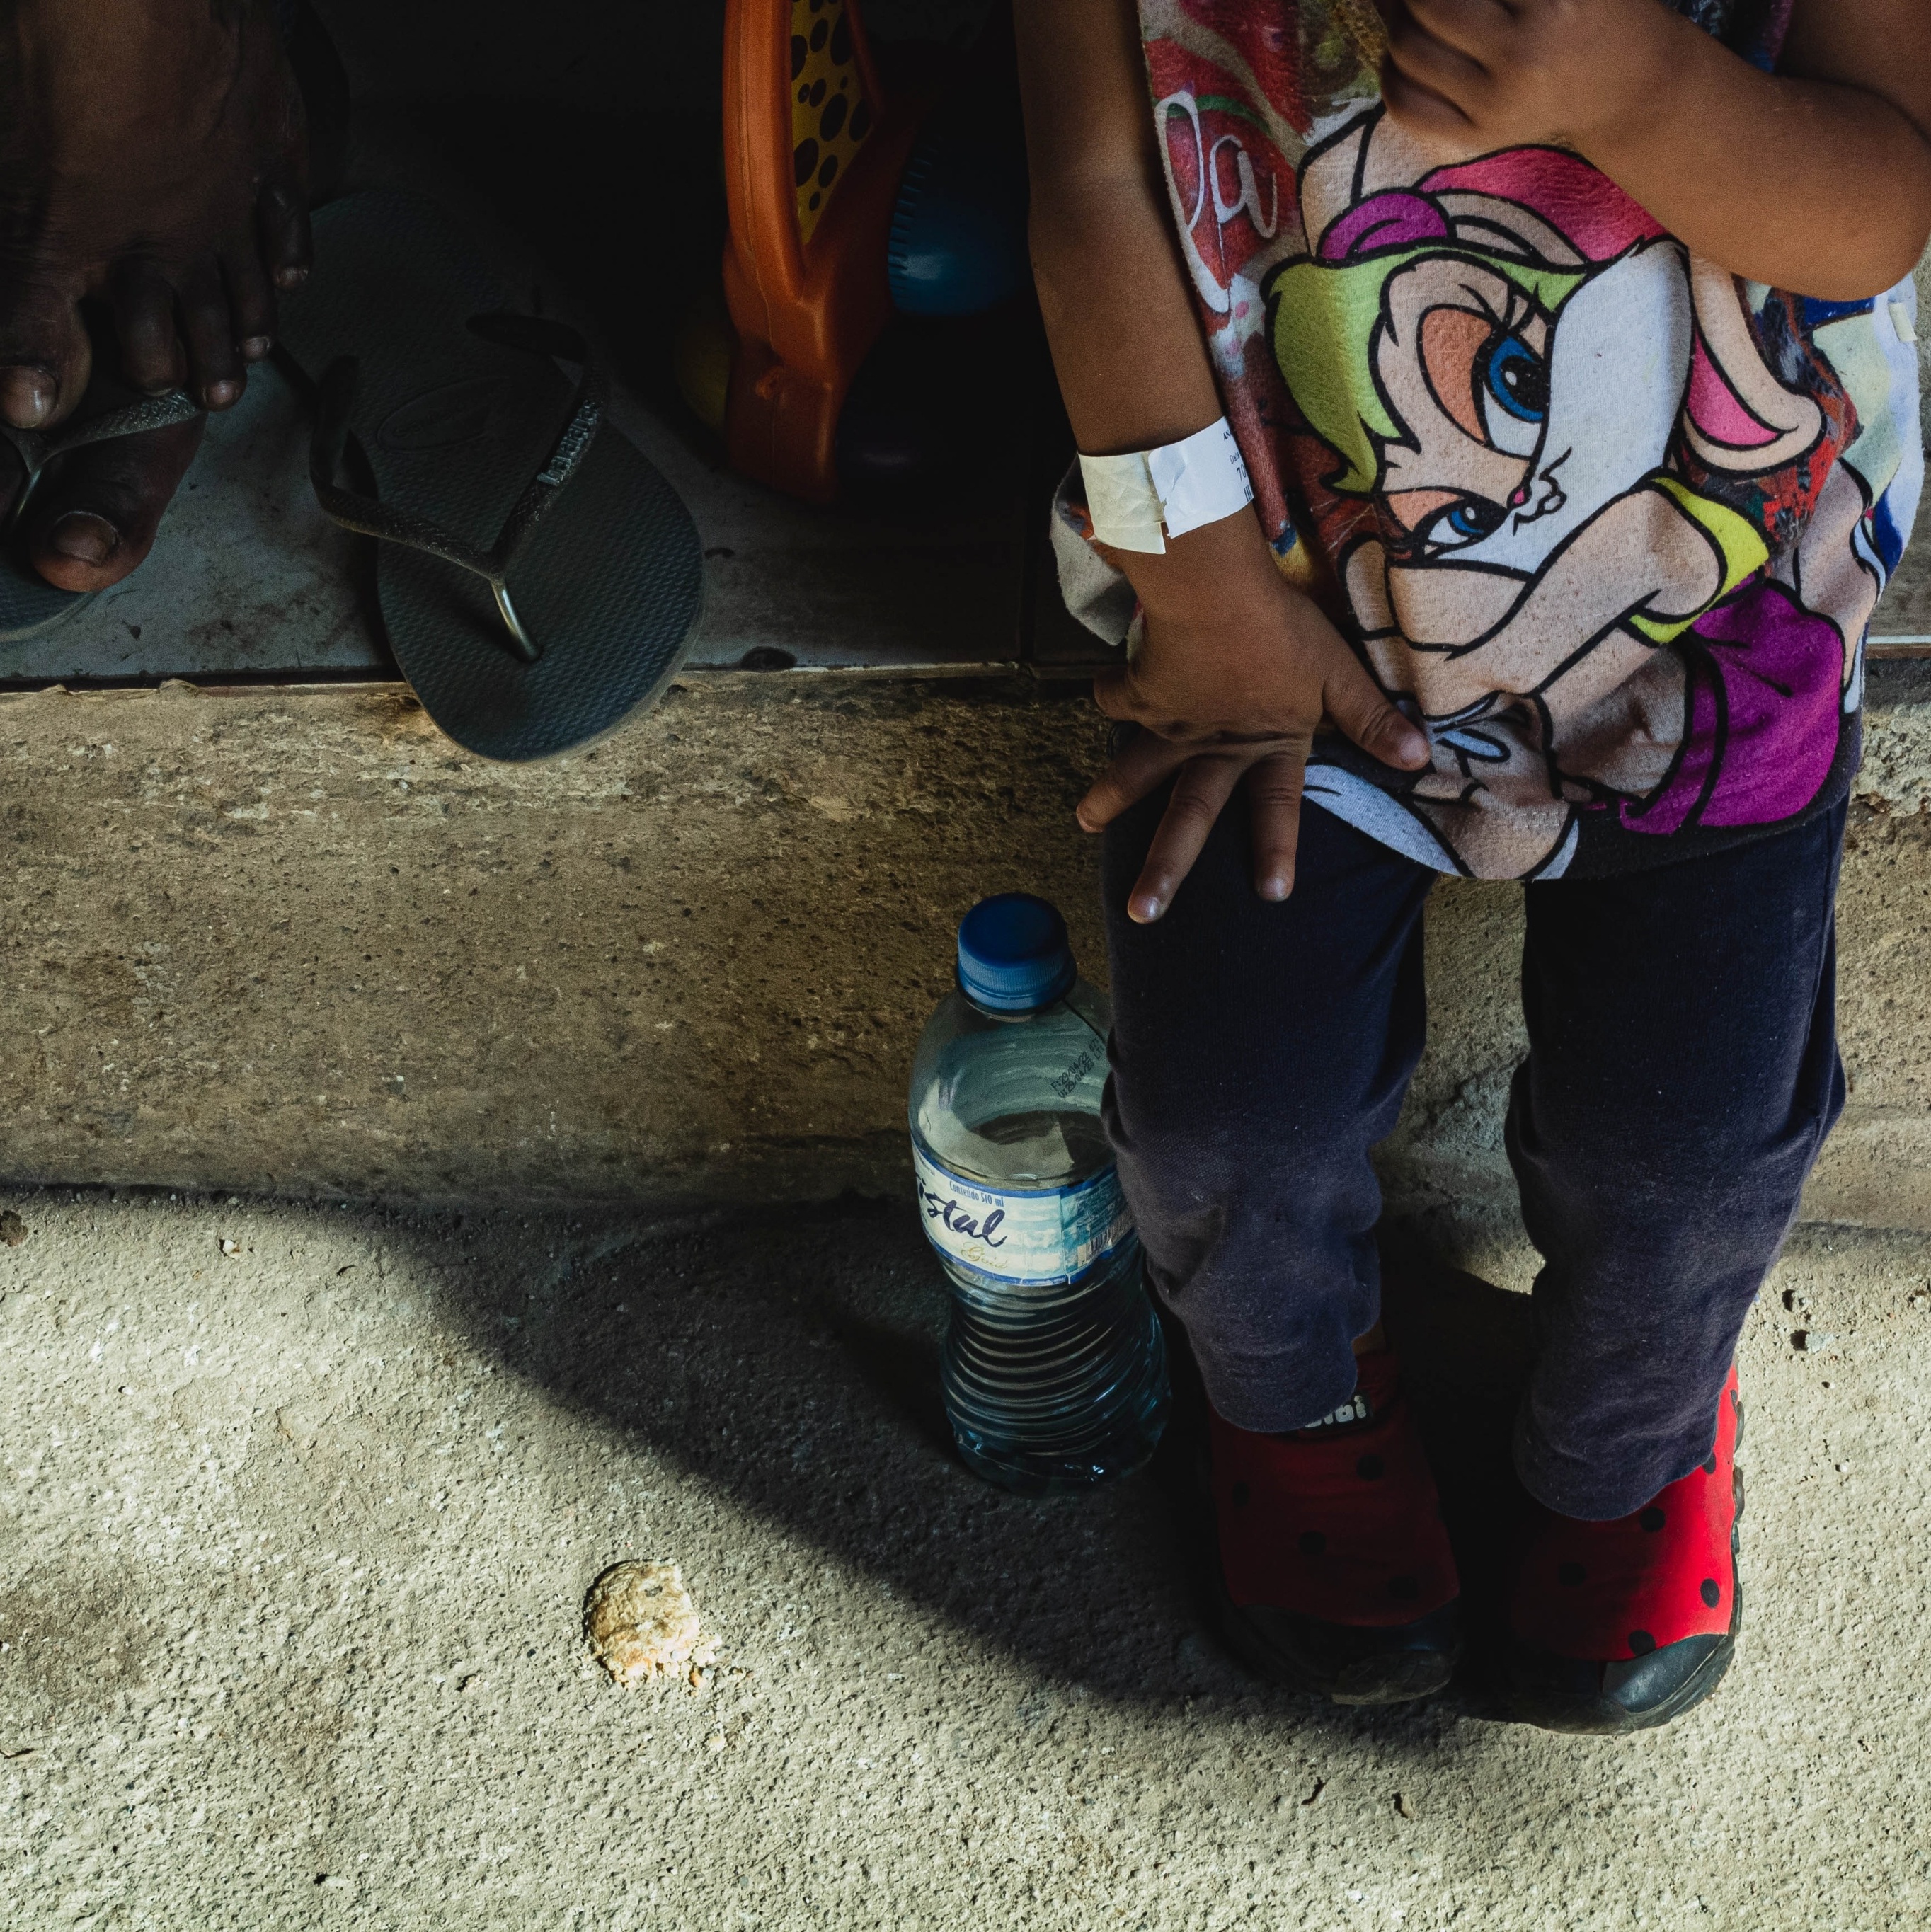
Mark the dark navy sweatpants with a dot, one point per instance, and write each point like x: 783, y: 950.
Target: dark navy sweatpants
x: 1682, y: 1074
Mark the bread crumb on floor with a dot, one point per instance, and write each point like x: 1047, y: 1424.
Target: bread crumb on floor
x: 642, y: 1625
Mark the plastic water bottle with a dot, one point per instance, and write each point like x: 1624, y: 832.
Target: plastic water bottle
x: 1054, y: 1368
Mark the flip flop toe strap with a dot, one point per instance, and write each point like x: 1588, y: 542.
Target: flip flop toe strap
x: 37, y: 447
x: 369, y: 517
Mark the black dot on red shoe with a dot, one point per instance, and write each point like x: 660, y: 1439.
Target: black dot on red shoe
x: 1406, y: 1588
x: 1571, y: 1573
x: 1653, y: 1519
x: 1370, y: 1468
x: 1709, y: 1468
x: 1240, y: 1495
x: 1641, y: 1643
x: 1312, y: 1542
x: 1712, y: 1591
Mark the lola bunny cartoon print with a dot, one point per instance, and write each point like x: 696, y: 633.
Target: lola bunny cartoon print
x: 1610, y: 522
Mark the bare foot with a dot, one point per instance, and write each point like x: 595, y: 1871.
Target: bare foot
x: 93, y: 518
x: 152, y: 162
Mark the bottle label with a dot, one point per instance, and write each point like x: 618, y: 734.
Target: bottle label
x: 1029, y: 1238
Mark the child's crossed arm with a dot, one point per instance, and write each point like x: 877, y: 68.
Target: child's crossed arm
x: 1816, y: 178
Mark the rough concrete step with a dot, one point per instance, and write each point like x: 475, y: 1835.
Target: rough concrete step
x: 291, y: 941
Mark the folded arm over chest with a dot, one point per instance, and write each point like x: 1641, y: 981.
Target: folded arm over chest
x: 1816, y: 178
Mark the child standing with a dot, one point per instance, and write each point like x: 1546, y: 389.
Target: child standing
x: 1564, y: 347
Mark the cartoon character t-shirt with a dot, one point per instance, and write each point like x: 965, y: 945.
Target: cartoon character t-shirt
x: 1611, y: 522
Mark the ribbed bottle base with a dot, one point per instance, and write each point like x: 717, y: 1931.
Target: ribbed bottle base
x: 1060, y: 1401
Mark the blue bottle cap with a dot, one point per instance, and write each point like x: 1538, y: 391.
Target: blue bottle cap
x: 1013, y: 955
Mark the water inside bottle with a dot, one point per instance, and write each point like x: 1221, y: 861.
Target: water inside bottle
x: 1054, y: 1366
x: 1058, y: 1387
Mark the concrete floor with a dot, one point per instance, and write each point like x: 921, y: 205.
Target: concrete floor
x: 293, y: 1538
x: 296, y: 1536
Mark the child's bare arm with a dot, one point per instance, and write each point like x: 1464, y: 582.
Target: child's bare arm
x: 1237, y: 668
x: 1126, y: 344
x: 1816, y: 179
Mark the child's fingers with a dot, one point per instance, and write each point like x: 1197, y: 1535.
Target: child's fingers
x: 1354, y: 701
x: 1468, y: 26
x: 1420, y: 109
x: 1274, y: 803
x: 1148, y: 761
x: 1430, y: 78
x: 1121, y: 696
x: 1200, y: 794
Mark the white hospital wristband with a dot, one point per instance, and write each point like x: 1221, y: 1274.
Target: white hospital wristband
x: 1177, y: 487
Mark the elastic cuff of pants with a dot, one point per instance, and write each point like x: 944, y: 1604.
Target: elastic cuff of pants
x: 1272, y: 1395
x: 1606, y: 1489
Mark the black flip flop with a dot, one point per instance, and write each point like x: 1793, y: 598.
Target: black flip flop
x: 538, y: 580
x: 29, y: 605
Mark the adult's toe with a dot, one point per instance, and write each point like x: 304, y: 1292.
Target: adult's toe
x: 151, y: 356
x: 93, y: 519
x: 250, y: 300
x: 286, y: 245
x: 13, y: 474
x: 45, y: 357
x: 216, y: 373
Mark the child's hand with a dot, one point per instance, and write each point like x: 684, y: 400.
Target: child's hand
x: 1230, y: 695
x: 1507, y: 73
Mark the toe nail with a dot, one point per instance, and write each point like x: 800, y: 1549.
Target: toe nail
x: 257, y: 346
x: 27, y: 397
x: 219, y: 395
x: 85, y: 537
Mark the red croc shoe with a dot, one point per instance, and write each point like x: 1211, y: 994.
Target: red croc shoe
x: 1335, y: 1574
x: 1622, y: 1626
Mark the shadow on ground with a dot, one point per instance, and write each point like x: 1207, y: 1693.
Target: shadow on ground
x: 791, y: 1360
